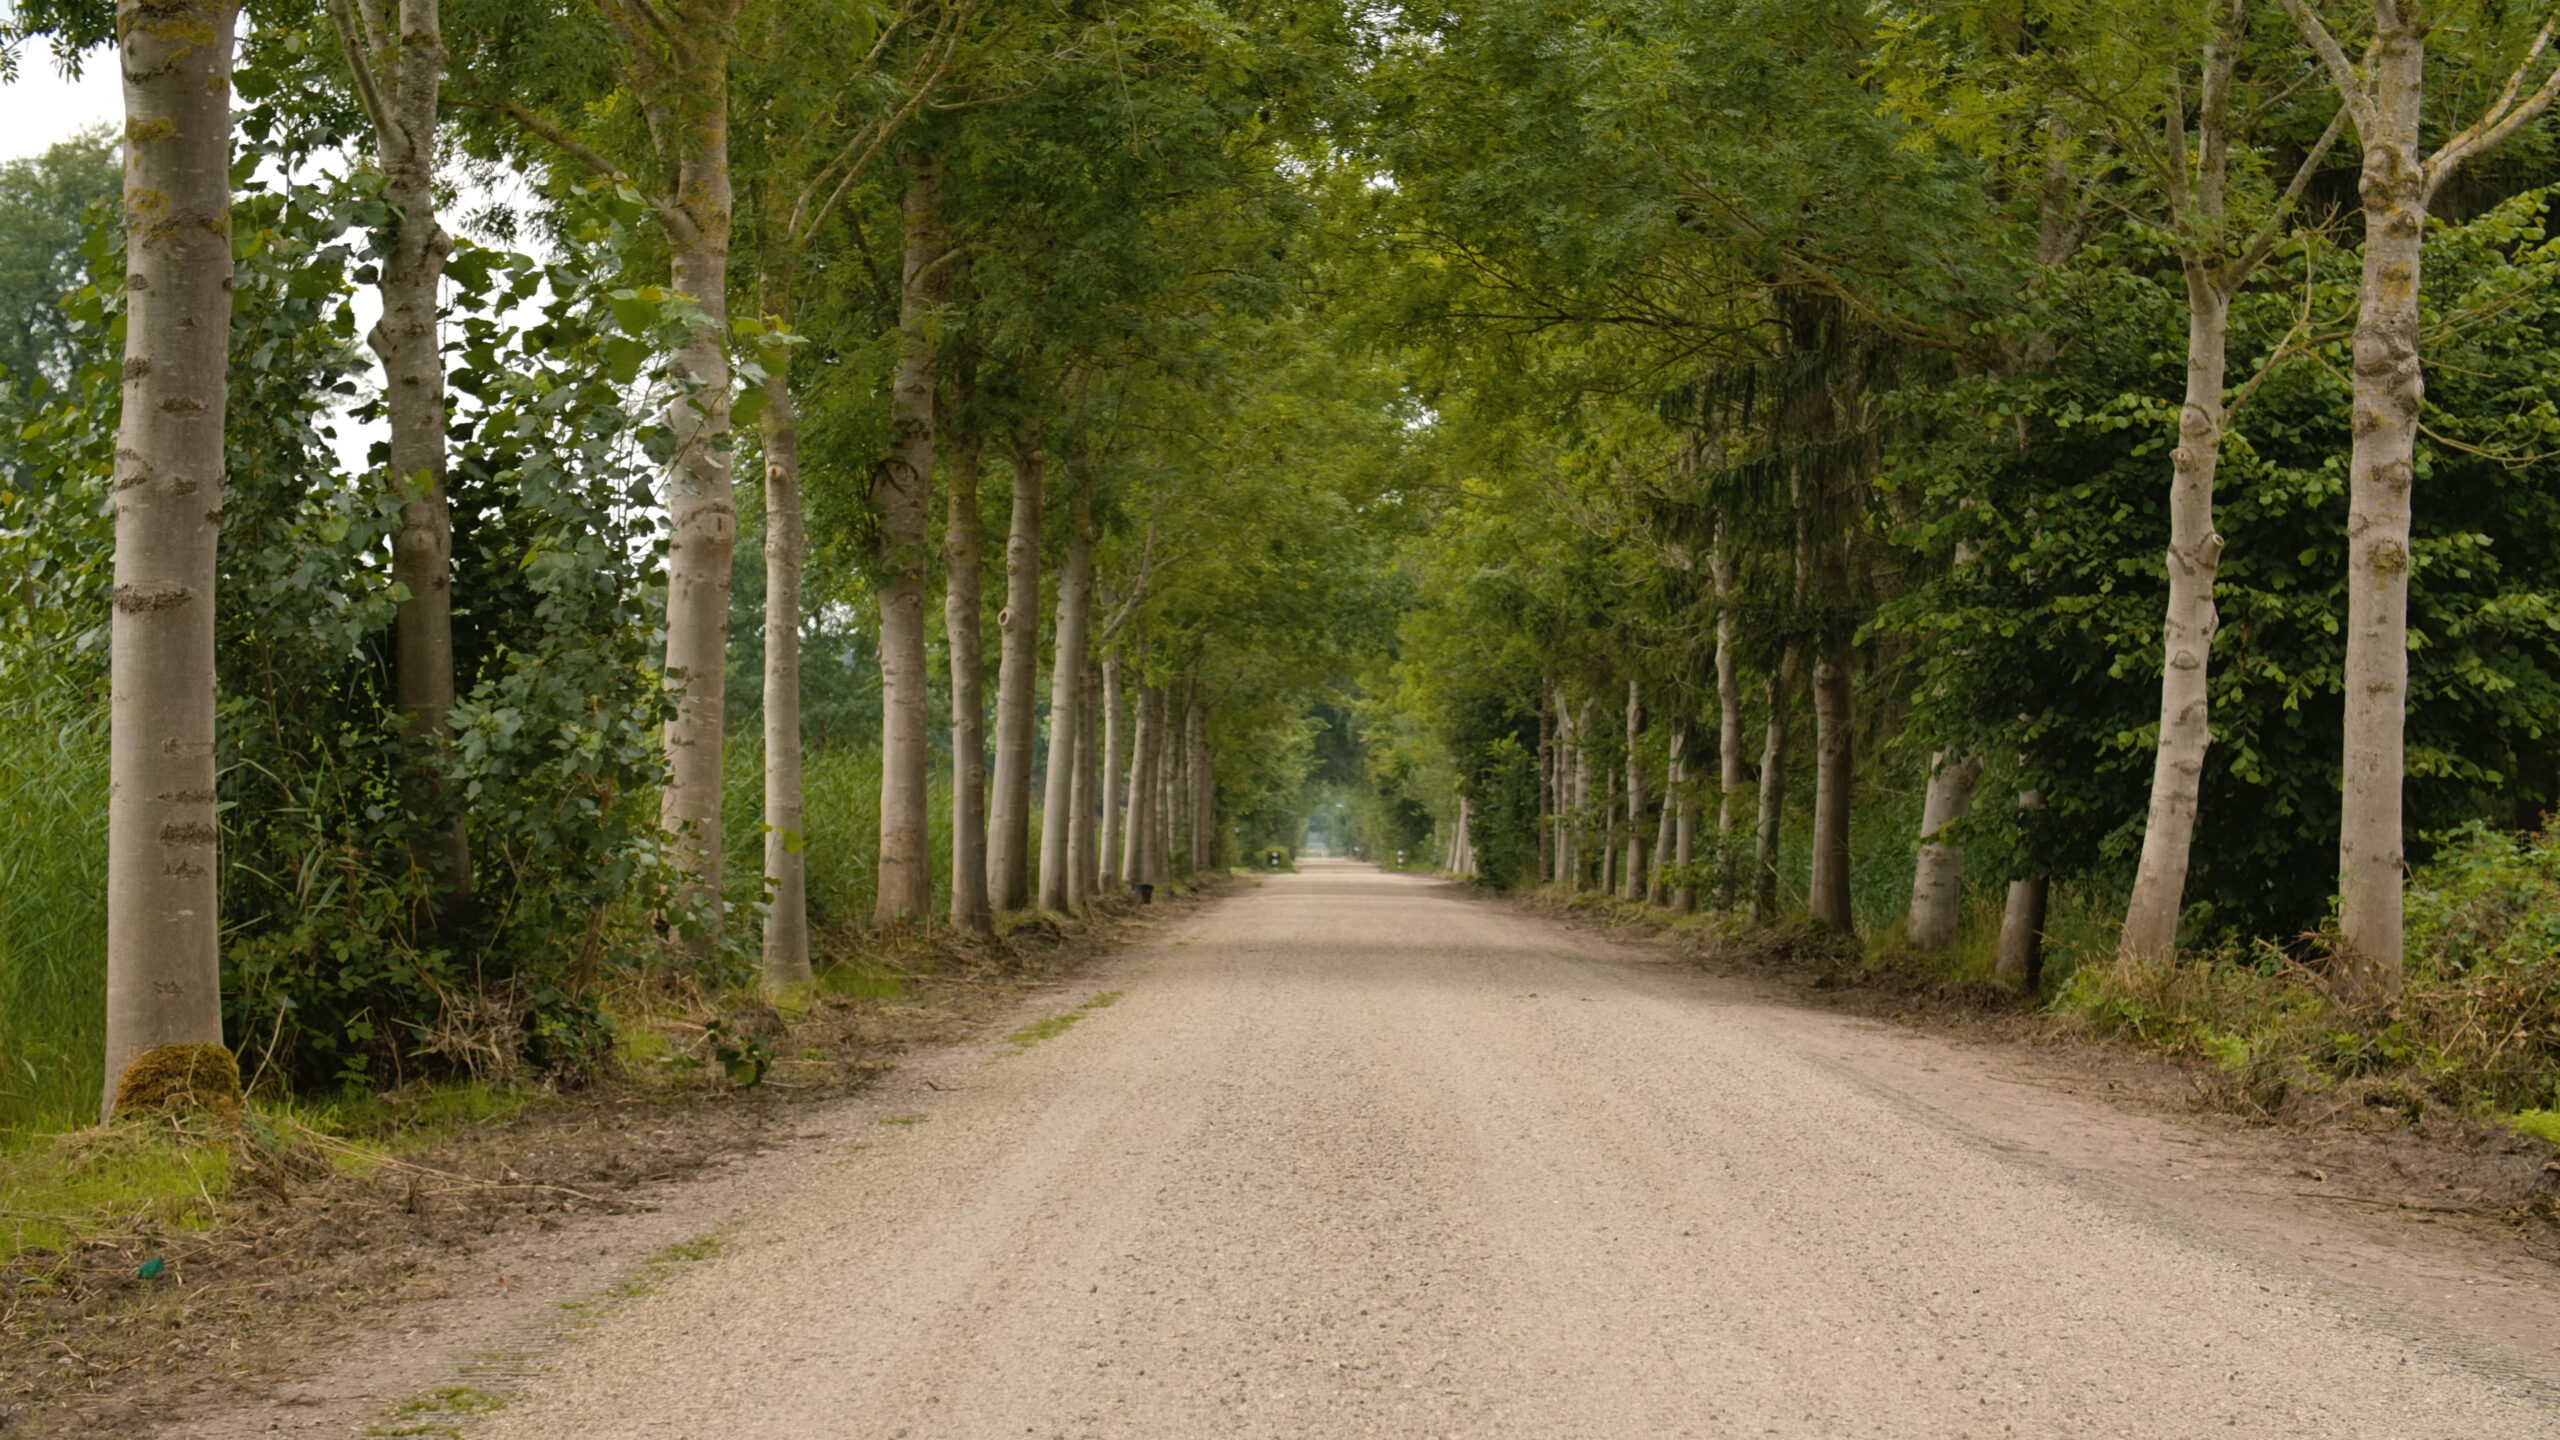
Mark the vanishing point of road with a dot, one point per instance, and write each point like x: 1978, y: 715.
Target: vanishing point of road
x: 1356, y: 1154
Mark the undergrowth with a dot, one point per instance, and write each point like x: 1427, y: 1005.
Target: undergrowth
x: 2475, y: 1029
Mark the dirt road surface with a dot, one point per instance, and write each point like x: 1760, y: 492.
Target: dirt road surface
x: 1355, y: 1154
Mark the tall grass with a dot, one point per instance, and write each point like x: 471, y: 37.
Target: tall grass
x: 840, y: 799
x: 53, y: 906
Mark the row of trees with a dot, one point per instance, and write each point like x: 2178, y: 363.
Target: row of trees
x: 1903, y: 364
x: 1008, y: 297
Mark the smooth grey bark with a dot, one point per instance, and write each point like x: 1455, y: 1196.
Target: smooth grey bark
x: 1546, y: 796
x: 901, y: 496
x: 2398, y: 186
x: 1157, y: 863
x: 1075, y: 594
x: 1937, y: 883
x: 786, y: 545
x: 678, y: 73
x: 2019, y: 959
x: 1017, y: 683
x: 1773, y: 787
x: 1728, y: 718
x: 397, y: 62
x: 1670, y: 814
x: 1080, y: 798
x: 1115, y: 722
x: 1828, y: 892
x: 1177, y: 793
x: 1204, y: 795
x: 1684, y: 830
x: 1632, y: 878
x: 1141, y: 753
x: 163, y: 915
x: 962, y: 615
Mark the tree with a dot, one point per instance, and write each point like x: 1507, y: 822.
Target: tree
x: 397, y: 61
x: 673, y: 61
x: 163, y: 912
x: 2398, y: 186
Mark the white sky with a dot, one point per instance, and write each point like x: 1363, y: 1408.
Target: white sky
x: 40, y: 108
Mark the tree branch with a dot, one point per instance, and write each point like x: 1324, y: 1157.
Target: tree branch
x: 2342, y: 71
x: 360, y: 64
x: 680, y: 226
x: 2501, y: 119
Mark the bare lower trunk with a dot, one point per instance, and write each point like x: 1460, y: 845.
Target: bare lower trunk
x: 786, y: 926
x: 1115, y: 723
x: 1666, y: 820
x: 702, y: 521
x: 961, y: 618
x: 2389, y: 386
x: 163, y: 920
x: 1581, y: 799
x: 1609, y: 838
x: 1684, y: 829
x: 1546, y: 796
x: 1832, y: 776
x: 1159, y: 764
x: 1937, y: 879
x: 901, y: 496
x: 1177, y: 794
x: 1631, y: 885
x: 2020, y: 961
x: 1728, y: 726
x: 1133, y: 856
x: 1192, y: 861
x: 1075, y: 593
x: 1773, y: 789
x: 398, y: 71
x: 1017, y: 684
x: 1204, y: 794
x: 1080, y: 798
x: 2150, y: 933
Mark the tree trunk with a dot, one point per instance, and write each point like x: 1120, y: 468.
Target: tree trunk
x: 1080, y: 798
x: 1192, y: 861
x: 1017, y: 684
x: 1115, y: 722
x: 1546, y: 796
x: 163, y: 921
x: 1609, y: 835
x: 2020, y: 962
x: 1177, y: 793
x: 2019, y: 959
x: 1729, y: 721
x: 1937, y: 880
x: 2150, y: 933
x: 902, y: 496
x: 1832, y: 776
x: 702, y: 516
x: 1684, y: 830
x: 961, y: 618
x: 1159, y: 847
x: 1204, y: 794
x: 1631, y: 884
x: 1581, y: 797
x: 398, y: 74
x: 1075, y: 594
x: 786, y: 926
x: 2389, y: 386
x: 1666, y: 821
x: 1133, y: 843
x: 1773, y: 788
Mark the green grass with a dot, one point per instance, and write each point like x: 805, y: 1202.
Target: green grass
x: 53, y: 910
x: 2540, y: 1124
x: 57, y: 1190
x: 1052, y: 1026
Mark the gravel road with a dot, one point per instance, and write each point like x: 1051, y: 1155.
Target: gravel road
x: 1353, y: 1154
